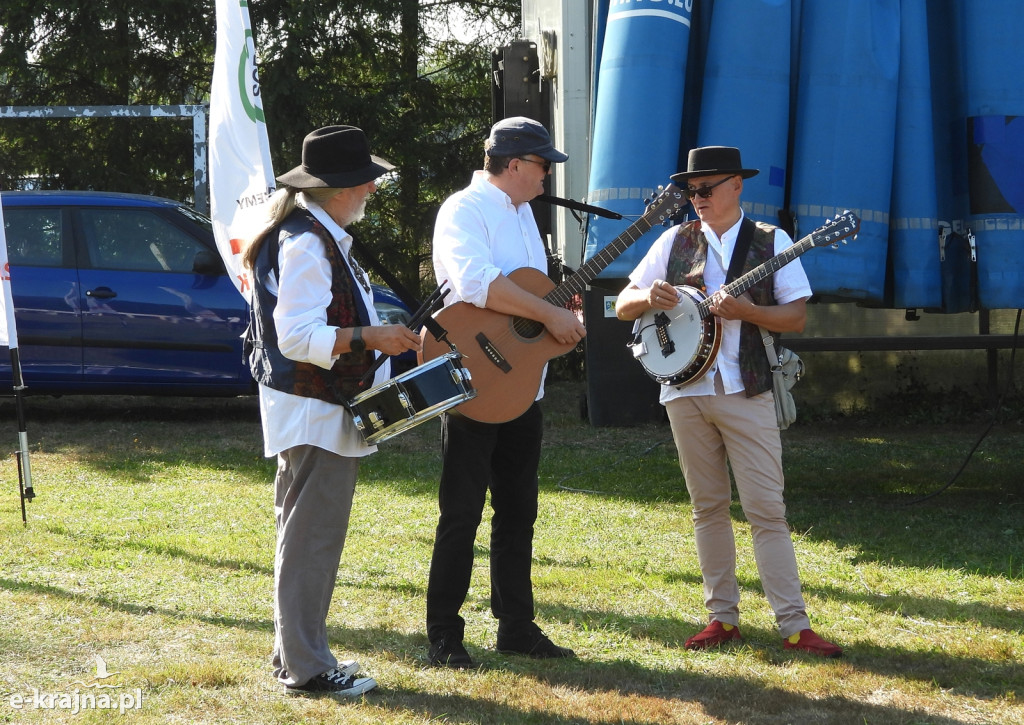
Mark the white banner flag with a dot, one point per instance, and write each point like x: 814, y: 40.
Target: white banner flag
x: 8, y: 330
x: 241, y: 175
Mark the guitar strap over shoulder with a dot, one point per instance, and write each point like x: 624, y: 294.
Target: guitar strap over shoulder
x: 740, y: 251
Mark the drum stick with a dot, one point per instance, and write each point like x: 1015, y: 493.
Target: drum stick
x: 429, y: 305
x: 426, y: 309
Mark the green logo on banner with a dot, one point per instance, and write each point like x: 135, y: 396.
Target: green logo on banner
x: 254, y: 113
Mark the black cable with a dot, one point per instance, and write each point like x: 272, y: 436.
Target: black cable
x: 991, y: 425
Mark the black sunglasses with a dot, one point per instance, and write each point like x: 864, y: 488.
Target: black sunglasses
x: 545, y: 163
x: 705, y: 191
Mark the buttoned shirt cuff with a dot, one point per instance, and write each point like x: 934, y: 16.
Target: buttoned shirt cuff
x: 321, y: 346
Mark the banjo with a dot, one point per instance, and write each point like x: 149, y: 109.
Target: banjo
x: 678, y: 346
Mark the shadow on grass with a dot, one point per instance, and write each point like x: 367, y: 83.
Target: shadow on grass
x: 41, y: 409
x: 733, y: 699
x: 174, y: 553
x: 665, y: 693
x: 969, y: 676
x: 133, y: 608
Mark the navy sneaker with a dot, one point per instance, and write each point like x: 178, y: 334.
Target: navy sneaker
x: 335, y: 683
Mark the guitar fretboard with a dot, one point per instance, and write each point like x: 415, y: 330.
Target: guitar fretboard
x: 660, y: 209
x: 741, y: 284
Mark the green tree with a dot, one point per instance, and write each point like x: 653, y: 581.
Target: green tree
x: 79, y: 52
x: 395, y: 68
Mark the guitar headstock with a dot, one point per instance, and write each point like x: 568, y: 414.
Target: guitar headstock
x: 835, y: 230
x: 670, y: 202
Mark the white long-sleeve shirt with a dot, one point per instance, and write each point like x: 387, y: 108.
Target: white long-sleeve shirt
x: 480, y: 234
x: 789, y: 284
x: 304, y: 336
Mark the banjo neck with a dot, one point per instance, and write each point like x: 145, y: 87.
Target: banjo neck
x: 748, y: 280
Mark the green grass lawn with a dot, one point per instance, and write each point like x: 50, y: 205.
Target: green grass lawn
x: 150, y: 545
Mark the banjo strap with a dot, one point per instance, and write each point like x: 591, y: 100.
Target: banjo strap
x: 740, y: 251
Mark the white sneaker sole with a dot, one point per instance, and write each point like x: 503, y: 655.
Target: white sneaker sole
x: 359, y: 686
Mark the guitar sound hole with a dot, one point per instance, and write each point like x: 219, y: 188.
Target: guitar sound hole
x: 527, y: 328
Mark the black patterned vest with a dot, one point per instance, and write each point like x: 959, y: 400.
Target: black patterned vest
x: 686, y: 266
x: 266, y: 362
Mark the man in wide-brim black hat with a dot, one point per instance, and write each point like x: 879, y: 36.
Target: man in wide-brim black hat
x: 312, y: 335
x: 723, y: 417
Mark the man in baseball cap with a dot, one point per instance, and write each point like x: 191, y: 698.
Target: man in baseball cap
x: 483, y: 234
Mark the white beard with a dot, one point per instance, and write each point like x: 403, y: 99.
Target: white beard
x: 357, y: 215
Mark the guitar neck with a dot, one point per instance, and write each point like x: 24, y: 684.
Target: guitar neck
x: 577, y: 282
x: 662, y: 208
x: 742, y: 284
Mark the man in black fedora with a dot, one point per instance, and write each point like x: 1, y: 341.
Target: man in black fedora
x: 312, y: 335
x: 726, y: 418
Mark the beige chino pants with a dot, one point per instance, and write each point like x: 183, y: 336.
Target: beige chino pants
x: 712, y: 433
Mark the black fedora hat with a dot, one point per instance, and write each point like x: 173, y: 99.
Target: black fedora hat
x: 335, y: 157
x: 712, y: 161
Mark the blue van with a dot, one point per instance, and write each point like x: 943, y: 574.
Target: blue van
x: 126, y: 294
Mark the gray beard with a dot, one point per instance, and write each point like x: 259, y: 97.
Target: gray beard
x: 357, y: 215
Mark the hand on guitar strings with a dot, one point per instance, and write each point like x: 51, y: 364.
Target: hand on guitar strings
x: 724, y: 305
x: 662, y: 295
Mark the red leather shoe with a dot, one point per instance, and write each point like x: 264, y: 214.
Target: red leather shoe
x: 714, y: 635
x: 808, y: 641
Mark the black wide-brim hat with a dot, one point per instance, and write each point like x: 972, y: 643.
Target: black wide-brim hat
x: 712, y: 161
x: 335, y: 157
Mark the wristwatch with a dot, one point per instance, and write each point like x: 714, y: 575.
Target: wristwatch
x: 357, y: 344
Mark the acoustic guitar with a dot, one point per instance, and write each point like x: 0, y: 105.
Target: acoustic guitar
x: 506, y: 354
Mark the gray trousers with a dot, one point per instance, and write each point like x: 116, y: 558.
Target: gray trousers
x: 313, y: 493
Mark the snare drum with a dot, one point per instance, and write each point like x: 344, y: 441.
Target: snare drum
x: 422, y: 393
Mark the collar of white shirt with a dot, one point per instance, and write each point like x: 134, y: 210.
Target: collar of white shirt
x: 338, y: 234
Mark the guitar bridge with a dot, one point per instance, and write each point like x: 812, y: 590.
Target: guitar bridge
x: 492, y: 353
x: 661, y: 323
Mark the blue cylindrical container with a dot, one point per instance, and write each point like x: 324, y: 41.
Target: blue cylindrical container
x: 993, y: 61
x: 746, y: 95
x: 913, y: 221
x: 637, y: 119
x: 845, y: 129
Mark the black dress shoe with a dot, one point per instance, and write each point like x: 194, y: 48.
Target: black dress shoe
x: 450, y: 653
x: 532, y: 643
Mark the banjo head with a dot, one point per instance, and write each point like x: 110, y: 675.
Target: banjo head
x: 673, y: 346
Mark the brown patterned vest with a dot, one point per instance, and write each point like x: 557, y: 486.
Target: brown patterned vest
x: 268, y: 366
x: 686, y: 266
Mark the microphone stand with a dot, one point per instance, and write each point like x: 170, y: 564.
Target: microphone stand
x: 579, y: 206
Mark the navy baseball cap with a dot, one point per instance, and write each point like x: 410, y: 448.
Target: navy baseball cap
x: 518, y: 136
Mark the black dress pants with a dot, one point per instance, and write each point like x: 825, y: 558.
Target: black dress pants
x: 477, y: 457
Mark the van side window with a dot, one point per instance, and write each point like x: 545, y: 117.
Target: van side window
x: 136, y: 240
x: 33, y: 236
